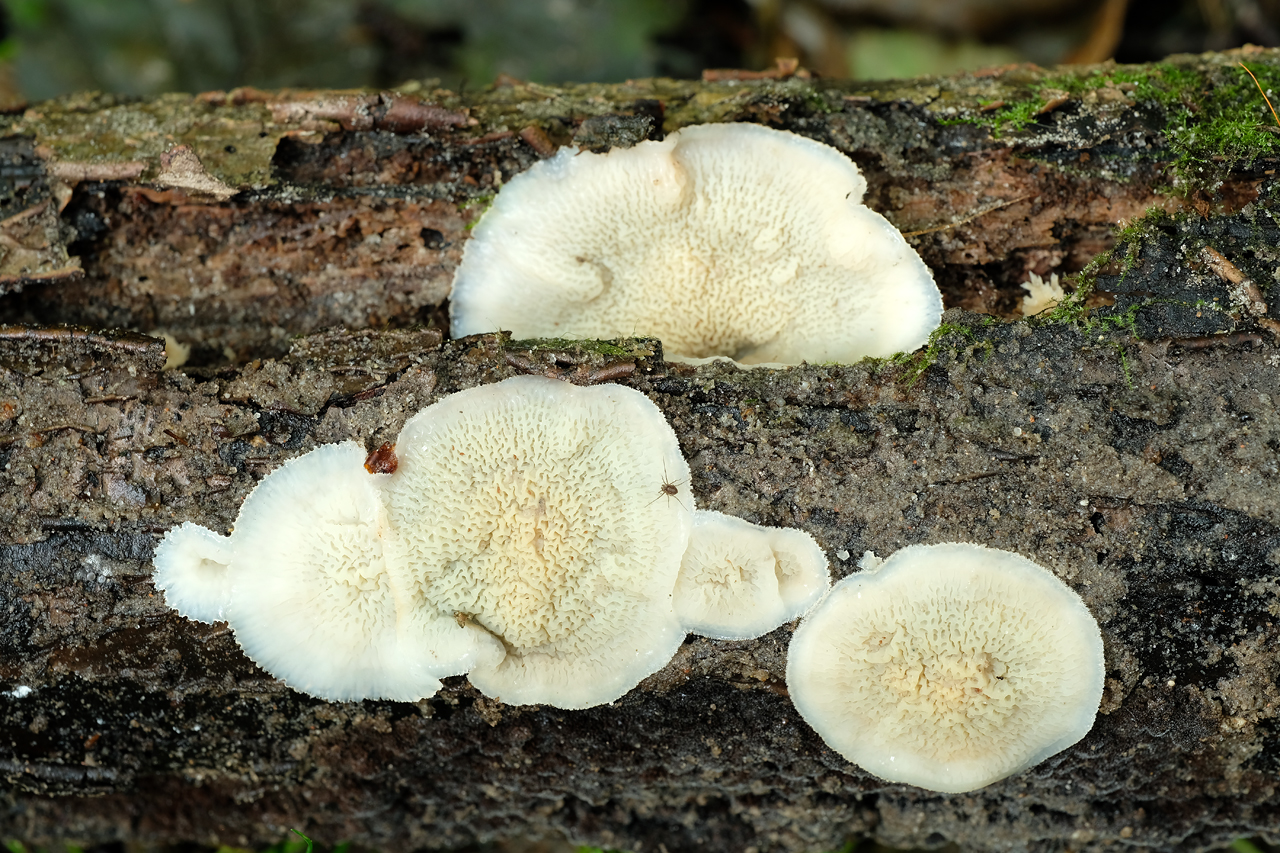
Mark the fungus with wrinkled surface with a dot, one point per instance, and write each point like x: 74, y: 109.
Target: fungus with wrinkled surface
x: 728, y: 240
x: 517, y: 532
x: 948, y: 667
x: 312, y: 581
x: 535, y: 509
x: 739, y: 580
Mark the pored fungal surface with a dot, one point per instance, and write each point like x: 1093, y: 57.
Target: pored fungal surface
x: 722, y: 240
x: 948, y: 667
x: 535, y: 509
x: 740, y: 580
x: 529, y: 535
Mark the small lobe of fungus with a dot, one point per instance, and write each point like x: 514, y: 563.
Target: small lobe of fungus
x: 383, y: 460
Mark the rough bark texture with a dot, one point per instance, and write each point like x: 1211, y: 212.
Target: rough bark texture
x: 1132, y: 448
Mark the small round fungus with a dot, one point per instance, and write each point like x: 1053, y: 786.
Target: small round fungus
x: 536, y: 510
x: 739, y: 580
x: 948, y: 667
x: 722, y: 240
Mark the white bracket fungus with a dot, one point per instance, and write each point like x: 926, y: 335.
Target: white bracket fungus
x: 739, y: 580
x: 948, y: 667
x: 529, y: 536
x: 722, y: 240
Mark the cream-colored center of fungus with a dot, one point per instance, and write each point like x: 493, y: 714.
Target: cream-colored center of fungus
x: 923, y: 675
x: 532, y: 526
x: 531, y: 576
x: 729, y: 585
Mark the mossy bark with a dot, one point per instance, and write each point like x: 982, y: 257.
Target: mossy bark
x: 1130, y: 443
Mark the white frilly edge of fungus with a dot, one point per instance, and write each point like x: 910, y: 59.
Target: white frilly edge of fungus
x: 312, y: 582
x: 740, y: 580
x: 191, y: 565
x: 322, y: 597
x: 948, y: 667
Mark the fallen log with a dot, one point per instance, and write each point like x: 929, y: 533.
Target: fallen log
x: 1129, y: 441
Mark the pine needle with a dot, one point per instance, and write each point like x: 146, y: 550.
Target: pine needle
x: 1264, y: 94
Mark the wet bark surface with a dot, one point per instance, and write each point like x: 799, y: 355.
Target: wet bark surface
x: 1133, y: 449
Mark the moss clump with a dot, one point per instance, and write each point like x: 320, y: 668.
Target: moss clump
x: 619, y: 348
x: 1215, y: 119
x: 914, y: 364
x: 1004, y: 117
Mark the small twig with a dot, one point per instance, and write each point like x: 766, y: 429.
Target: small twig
x: 1231, y: 274
x: 610, y: 372
x: 981, y: 212
x: 1216, y: 340
x: 1264, y: 94
x: 60, y: 427
x: 1222, y: 267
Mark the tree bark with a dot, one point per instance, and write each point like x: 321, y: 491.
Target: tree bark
x: 1130, y: 444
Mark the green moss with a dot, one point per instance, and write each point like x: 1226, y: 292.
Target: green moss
x: 619, y: 348
x: 478, y: 206
x: 914, y: 364
x: 1005, y: 119
x: 1127, y: 252
x: 1070, y: 310
x: 1122, y: 352
x: 819, y: 103
x: 1215, y: 119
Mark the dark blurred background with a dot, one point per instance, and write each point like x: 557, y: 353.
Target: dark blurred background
x: 140, y: 47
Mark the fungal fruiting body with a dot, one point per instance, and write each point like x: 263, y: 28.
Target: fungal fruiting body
x: 728, y: 240
x: 948, y: 667
x: 529, y: 506
x: 1042, y: 294
x: 739, y: 580
x: 517, y: 540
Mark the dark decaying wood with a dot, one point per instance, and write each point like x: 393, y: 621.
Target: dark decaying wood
x: 1133, y: 450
